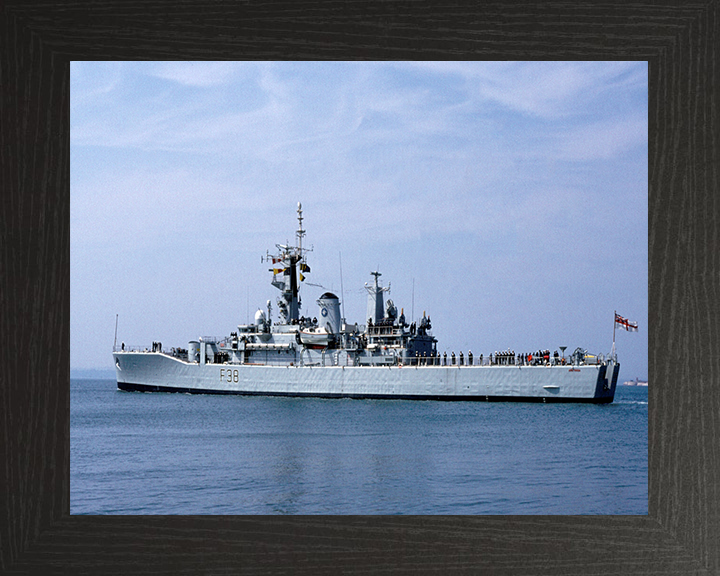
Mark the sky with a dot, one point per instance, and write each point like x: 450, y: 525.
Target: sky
x: 506, y: 200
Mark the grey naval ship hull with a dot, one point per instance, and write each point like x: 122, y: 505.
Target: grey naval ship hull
x: 285, y: 353
x: 158, y: 372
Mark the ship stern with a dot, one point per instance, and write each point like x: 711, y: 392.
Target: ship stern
x: 606, y: 383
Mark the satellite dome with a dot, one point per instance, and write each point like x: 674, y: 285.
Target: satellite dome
x: 328, y: 296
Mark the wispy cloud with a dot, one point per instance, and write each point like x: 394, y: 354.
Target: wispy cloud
x: 602, y: 140
x: 91, y: 82
x: 548, y: 90
x: 199, y: 74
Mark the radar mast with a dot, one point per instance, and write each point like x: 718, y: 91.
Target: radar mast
x: 289, y: 265
x: 376, y: 301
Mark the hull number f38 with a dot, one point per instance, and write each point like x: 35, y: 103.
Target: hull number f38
x: 227, y: 375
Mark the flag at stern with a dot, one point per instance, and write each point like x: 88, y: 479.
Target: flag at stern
x: 625, y: 323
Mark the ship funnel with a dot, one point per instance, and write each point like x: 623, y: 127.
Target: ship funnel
x: 329, y: 312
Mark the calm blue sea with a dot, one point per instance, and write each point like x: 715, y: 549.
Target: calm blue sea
x: 135, y: 453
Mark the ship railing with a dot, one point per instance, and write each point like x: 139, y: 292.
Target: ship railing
x: 134, y: 348
x: 179, y: 353
x: 440, y: 360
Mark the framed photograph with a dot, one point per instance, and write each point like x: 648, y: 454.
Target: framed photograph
x: 672, y: 534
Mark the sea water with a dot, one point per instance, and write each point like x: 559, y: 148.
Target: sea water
x: 164, y: 453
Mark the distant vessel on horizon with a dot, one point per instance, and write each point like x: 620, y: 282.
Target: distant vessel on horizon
x: 326, y: 356
x: 636, y: 382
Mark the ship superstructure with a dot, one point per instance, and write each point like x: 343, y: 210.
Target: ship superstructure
x: 386, y: 357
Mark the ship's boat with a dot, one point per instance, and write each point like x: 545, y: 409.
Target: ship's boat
x: 326, y: 356
x: 316, y: 337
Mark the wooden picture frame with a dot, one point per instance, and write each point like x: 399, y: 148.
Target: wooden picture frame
x: 679, y: 41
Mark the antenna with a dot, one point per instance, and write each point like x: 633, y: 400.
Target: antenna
x: 412, y: 315
x: 300, y: 231
x: 342, y: 292
x: 115, y: 343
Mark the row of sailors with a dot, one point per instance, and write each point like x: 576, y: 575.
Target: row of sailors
x: 507, y: 358
x: 539, y: 357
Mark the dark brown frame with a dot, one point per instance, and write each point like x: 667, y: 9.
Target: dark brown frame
x: 679, y: 40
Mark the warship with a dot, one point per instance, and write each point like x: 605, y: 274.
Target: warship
x: 325, y: 356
